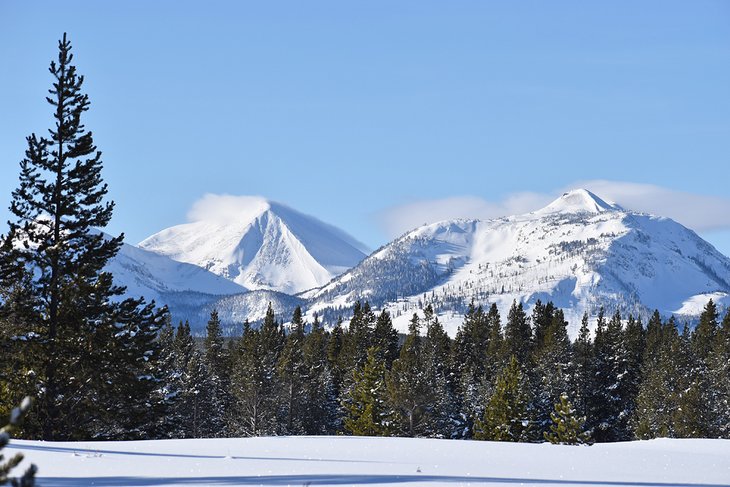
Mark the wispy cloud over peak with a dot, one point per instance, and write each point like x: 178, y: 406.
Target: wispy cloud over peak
x: 699, y: 212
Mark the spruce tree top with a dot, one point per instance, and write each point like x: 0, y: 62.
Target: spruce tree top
x: 59, y: 203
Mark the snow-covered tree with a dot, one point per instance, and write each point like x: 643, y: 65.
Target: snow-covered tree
x: 506, y: 416
x: 410, y: 393
x: 550, y: 376
x: 292, y: 375
x: 612, y: 405
x: 471, y: 364
x: 92, y: 354
x: 444, y: 420
x: 255, y: 381
x: 720, y: 379
x: 367, y: 413
x: 664, y: 381
x: 6, y: 466
x: 518, y: 334
x: 583, y: 373
x: 567, y: 428
x: 217, y: 365
x: 321, y: 403
x: 385, y: 338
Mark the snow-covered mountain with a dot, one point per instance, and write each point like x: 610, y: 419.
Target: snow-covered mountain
x: 580, y: 252
x: 266, y: 245
x: 155, y: 276
x: 185, y: 288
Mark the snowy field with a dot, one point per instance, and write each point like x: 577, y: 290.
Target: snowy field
x: 308, y: 461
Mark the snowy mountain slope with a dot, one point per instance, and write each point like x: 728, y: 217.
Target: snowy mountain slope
x: 151, y: 275
x: 265, y: 246
x: 184, y: 288
x: 579, y: 252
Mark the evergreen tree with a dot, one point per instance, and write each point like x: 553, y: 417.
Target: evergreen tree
x: 359, y: 336
x: 653, y: 341
x: 496, y: 360
x: 470, y: 362
x: 566, y: 427
x: 17, y: 350
x: 385, y: 338
x: 551, y: 374
x: 720, y: 379
x: 197, y: 394
x: 518, y: 334
x: 693, y: 416
x: 598, y: 408
x: 194, y: 389
x: 409, y: 392
x: 215, y: 353
x: 663, y: 380
x: 703, y: 337
x: 366, y: 411
x: 471, y: 344
x: 542, y: 318
x: 444, y: 420
x: 634, y: 338
x: 167, y: 394
x: 28, y: 478
x: 614, y: 403
x: 506, y: 416
x: 254, y: 382
x: 583, y: 369
x: 335, y: 359
x: 217, y: 367
x: 321, y: 415
x: 292, y: 375
x: 93, y: 355
x: 356, y: 341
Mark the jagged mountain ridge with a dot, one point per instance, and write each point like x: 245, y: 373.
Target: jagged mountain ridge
x: 268, y: 246
x: 579, y: 252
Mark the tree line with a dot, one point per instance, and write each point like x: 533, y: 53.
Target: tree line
x: 521, y: 380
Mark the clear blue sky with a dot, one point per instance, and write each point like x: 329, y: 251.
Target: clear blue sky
x: 346, y: 109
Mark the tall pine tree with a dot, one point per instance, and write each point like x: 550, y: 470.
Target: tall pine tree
x: 292, y: 376
x: 367, y: 413
x: 506, y: 416
x: 720, y: 379
x: 410, y: 393
x: 93, y: 354
x: 255, y: 382
x: 217, y: 364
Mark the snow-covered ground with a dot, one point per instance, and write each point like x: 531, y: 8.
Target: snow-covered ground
x: 345, y: 460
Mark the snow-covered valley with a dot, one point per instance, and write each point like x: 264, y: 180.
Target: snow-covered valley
x: 347, y: 460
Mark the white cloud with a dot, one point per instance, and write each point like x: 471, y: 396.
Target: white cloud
x: 696, y: 211
x: 225, y: 207
x: 400, y: 219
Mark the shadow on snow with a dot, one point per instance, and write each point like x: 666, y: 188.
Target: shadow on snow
x: 327, y: 479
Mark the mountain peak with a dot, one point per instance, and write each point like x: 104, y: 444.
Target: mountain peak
x: 259, y: 244
x: 578, y: 201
